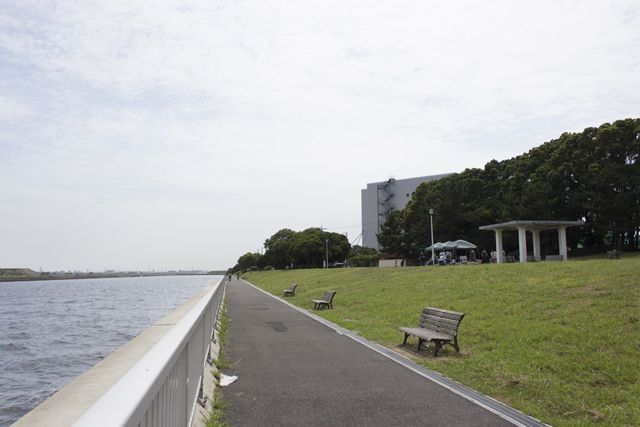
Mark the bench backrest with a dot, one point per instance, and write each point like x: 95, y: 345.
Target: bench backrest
x: 293, y: 287
x: 442, y: 321
x: 328, y: 296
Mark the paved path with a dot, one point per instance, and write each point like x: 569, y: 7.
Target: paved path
x: 294, y: 370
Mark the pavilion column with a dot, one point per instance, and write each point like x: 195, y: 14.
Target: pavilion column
x: 536, y: 244
x: 499, y: 245
x: 522, y: 243
x: 562, y: 239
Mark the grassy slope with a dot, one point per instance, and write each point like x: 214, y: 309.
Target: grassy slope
x: 17, y: 272
x: 558, y: 341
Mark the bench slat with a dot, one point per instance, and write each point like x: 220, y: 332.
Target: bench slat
x: 431, y: 318
x: 443, y: 313
x: 425, y: 333
x: 446, y: 331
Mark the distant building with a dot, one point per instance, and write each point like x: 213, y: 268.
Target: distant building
x: 380, y: 198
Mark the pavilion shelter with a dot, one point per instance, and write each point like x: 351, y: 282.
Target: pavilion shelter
x: 534, y: 227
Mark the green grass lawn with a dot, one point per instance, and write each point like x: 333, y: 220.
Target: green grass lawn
x: 559, y: 341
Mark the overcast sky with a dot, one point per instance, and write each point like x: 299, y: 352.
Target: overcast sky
x: 183, y: 133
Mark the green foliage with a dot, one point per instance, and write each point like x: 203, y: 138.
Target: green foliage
x: 364, y: 261
x: 555, y: 340
x: 221, y: 362
x: 307, y: 249
x: 268, y: 268
x: 215, y: 418
x: 357, y: 250
x: 304, y: 249
x: 246, y: 262
x: 17, y: 272
x: 592, y: 176
x: 393, y: 237
x: 254, y: 268
x: 276, y: 249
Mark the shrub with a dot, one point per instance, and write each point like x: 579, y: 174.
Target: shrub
x: 268, y: 268
x: 254, y: 268
x: 364, y: 261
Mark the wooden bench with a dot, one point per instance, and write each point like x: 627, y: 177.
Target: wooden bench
x: 325, y: 302
x: 439, y: 326
x: 290, y: 292
x: 614, y: 254
x: 554, y: 258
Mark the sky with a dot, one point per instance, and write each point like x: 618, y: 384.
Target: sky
x: 166, y: 134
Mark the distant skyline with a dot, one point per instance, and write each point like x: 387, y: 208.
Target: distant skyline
x: 186, y: 132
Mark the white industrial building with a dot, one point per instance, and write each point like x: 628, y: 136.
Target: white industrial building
x: 380, y: 198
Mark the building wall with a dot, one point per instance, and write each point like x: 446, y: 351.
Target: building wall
x: 372, y: 212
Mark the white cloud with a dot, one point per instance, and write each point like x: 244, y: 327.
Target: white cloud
x: 235, y: 119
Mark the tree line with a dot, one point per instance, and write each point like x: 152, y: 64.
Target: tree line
x: 593, y: 176
x: 305, y: 249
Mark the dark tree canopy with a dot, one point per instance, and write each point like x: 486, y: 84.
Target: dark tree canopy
x: 304, y: 249
x: 592, y: 176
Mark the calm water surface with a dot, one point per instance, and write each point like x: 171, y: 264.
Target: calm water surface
x: 53, y: 331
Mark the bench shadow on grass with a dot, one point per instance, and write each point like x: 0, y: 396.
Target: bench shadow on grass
x: 444, y: 355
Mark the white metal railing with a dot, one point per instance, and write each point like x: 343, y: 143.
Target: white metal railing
x: 161, y: 390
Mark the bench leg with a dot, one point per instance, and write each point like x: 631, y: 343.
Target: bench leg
x: 438, y: 347
x: 406, y: 335
x: 455, y: 344
x: 420, y: 341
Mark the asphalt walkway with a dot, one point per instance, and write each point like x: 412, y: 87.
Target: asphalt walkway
x: 295, y: 369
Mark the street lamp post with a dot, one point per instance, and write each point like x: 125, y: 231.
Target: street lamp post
x: 433, y: 252
x: 327, y: 242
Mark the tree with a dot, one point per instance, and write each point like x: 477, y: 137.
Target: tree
x: 246, y: 261
x: 593, y: 176
x: 392, y: 236
x: 308, y: 248
x: 276, y: 249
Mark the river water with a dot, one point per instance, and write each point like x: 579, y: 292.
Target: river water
x: 53, y: 331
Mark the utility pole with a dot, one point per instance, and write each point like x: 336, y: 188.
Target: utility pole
x: 327, y: 242
x: 433, y: 254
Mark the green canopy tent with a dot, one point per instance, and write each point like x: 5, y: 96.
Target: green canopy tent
x: 436, y: 247
x: 460, y: 245
x: 463, y: 244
